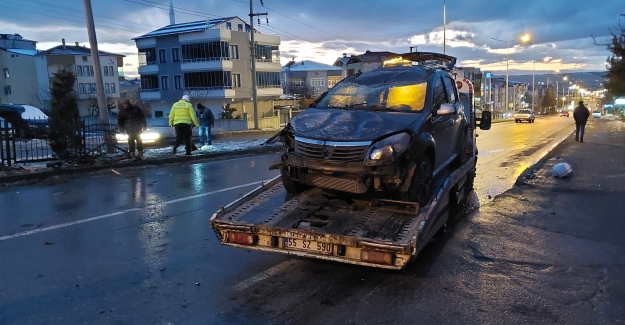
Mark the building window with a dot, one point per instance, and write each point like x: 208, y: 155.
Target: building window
x: 111, y: 71
x: 175, y: 54
x: 158, y: 114
x: 79, y: 70
x: 229, y: 25
x: 91, y: 70
x: 7, y: 90
x: 107, y: 88
x: 94, y: 88
x: 297, y: 82
x: 147, y: 56
x: 81, y: 88
x: 149, y: 83
x: 265, y: 79
x: 106, y: 71
x: 6, y: 72
x: 332, y: 82
x: 208, y: 80
x: 209, y: 51
x: 164, y: 82
x: 84, y: 58
x: 240, y: 27
x: 85, y: 70
x: 162, y: 58
x: 177, y: 82
x: 317, y: 82
x: 267, y: 53
x: 236, y: 80
x: 87, y: 88
x: 234, y: 51
x: 112, y: 88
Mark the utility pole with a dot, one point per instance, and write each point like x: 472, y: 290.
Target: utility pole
x: 95, y: 54
x: 253, y: 59
x: 444, y: 27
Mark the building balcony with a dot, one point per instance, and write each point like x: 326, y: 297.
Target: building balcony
x: 267, y: 65
x: 210, y: 92
x: 269, y: 91
x: 150, y: 94
x: 149, y: 68
x: 208, y: 64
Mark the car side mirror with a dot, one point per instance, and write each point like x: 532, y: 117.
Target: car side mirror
x: 485, y: 120
x: 446, y: 109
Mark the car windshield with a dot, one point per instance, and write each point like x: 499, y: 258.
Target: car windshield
x: 401, y: 96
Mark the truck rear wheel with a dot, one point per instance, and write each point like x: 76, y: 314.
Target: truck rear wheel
x: 421, y: 183
x: 290, y: 185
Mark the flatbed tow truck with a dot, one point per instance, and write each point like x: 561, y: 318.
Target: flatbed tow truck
x: 343, y: 227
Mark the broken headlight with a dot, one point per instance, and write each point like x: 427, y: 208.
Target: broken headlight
x: 388, y: 148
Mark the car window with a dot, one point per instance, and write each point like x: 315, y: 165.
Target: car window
x: 439, y: 93
x: 450, y: 87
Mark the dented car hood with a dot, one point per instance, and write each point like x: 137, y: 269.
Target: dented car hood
x: 350, y: 124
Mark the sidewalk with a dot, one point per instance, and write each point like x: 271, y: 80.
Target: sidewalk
x: 561, y: 241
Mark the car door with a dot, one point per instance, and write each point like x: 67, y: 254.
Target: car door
x: 459, y: 118
x: 442, y: 125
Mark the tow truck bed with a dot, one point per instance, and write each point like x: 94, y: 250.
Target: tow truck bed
x: 337, y: 227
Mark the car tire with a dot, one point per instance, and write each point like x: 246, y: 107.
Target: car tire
x: 290, y: 185
x: 421, y: 182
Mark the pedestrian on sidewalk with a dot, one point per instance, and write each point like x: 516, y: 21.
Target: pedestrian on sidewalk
x: 131, y: 121
x: 182, y: 117
x: 207, y: 122
x: 580, y: 114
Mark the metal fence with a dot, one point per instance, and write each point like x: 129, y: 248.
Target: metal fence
x: 28, y: 142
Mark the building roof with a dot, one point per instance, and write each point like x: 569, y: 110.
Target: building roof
x: 369, y: 57
x: 21, y: 51
x: 72, y: 50
x: 190, y: 27
x: 309, y: 66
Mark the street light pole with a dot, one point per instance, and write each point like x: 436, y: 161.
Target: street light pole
x: 507, y: 76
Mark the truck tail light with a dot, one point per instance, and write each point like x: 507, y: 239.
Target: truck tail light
x: 242, y: 238
x: 377, y: 257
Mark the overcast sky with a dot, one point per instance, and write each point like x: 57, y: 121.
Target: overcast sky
x: 322, y: 30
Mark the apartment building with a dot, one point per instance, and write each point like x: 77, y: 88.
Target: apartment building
x: 78, y: 59
x: 210, y: 61
x: 367, y: 61
x: 17, y: 70
x: 309, y: 78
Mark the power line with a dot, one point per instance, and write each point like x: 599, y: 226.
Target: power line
x: 82, y: 12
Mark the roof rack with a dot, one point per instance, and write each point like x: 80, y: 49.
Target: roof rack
x: 429, y: 60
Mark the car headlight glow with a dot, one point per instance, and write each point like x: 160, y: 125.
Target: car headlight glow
x: 389, y: 148
x: 146, y: 137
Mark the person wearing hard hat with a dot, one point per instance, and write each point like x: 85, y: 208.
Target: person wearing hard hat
x: 182, y: 117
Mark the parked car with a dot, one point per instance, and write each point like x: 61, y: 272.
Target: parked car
x: 564, y: 113
x: 387, y: 131
x: 596, y: 114
x: 524, y: 115
x: 28, y: 121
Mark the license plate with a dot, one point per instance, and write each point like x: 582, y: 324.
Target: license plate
x: 308, y: 245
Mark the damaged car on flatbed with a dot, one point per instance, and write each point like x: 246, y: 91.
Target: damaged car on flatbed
x: 370, y: 172
x: 387, y: 132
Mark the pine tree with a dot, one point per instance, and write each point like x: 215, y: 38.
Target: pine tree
x: 228, y: 113
x: 616, y: 63
x: 64, y: 121
x: 549, y: 100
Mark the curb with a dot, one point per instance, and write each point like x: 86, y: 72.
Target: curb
x: 37, y: 176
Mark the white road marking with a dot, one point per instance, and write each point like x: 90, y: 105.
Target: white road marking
x: 261, y: 276
x: 108, y: 215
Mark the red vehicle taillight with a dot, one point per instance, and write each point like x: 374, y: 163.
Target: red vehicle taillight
x: 242, y: 238
x: 377, y: 257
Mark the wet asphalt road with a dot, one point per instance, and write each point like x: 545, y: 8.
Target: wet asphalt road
x: 136, y: 248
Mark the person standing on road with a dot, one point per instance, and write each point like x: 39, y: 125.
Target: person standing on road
x: 207, y: 121
x: 580, y: 114
x: 182, y: 117
x: 131, y: 121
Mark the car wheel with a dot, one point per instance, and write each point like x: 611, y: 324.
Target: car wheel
x: 421, y: 183
x: 290, y: 185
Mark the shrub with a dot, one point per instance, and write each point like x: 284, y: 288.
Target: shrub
x: 64, y: 121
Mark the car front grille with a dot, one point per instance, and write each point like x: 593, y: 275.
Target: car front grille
x: 331, y: 152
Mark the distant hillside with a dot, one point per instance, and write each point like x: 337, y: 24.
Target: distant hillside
x: 589, y: 80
